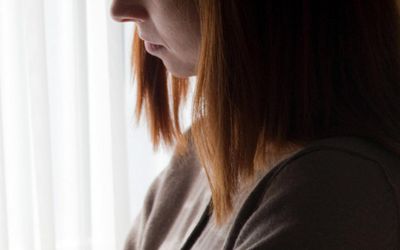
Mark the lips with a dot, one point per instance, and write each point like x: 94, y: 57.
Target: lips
x: 148, y: 40
x: 152, y: 48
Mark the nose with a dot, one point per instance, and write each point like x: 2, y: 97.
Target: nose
x: 128, y: 12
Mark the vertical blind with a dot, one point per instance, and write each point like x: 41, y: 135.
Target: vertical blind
x: 73, y: 166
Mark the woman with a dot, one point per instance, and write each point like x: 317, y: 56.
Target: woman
x: 295, y: 137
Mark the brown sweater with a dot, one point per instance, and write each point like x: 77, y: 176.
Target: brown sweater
x: 336, y: 193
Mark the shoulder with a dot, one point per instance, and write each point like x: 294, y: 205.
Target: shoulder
x: 350, y: 163
x: 335, y: 194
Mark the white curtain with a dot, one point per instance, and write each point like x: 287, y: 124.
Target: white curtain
x: 73, y: 167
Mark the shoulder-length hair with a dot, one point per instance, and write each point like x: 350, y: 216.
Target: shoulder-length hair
x: 277, y: 72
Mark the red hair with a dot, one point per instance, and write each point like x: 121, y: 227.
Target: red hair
x: 275, y: 73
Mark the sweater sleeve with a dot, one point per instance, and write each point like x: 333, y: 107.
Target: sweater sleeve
x: 326, y: 199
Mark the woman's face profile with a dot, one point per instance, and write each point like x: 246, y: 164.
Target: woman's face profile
x: 170, y: 30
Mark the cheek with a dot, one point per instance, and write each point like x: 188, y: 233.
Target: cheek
x: 181, y: 58
x: 181, y: 37
x: 180, y: 32
x: 185, y: 42
x: 180, y: 44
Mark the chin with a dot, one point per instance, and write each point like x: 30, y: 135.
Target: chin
x: 182, y: 75
x: 181, y: 71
